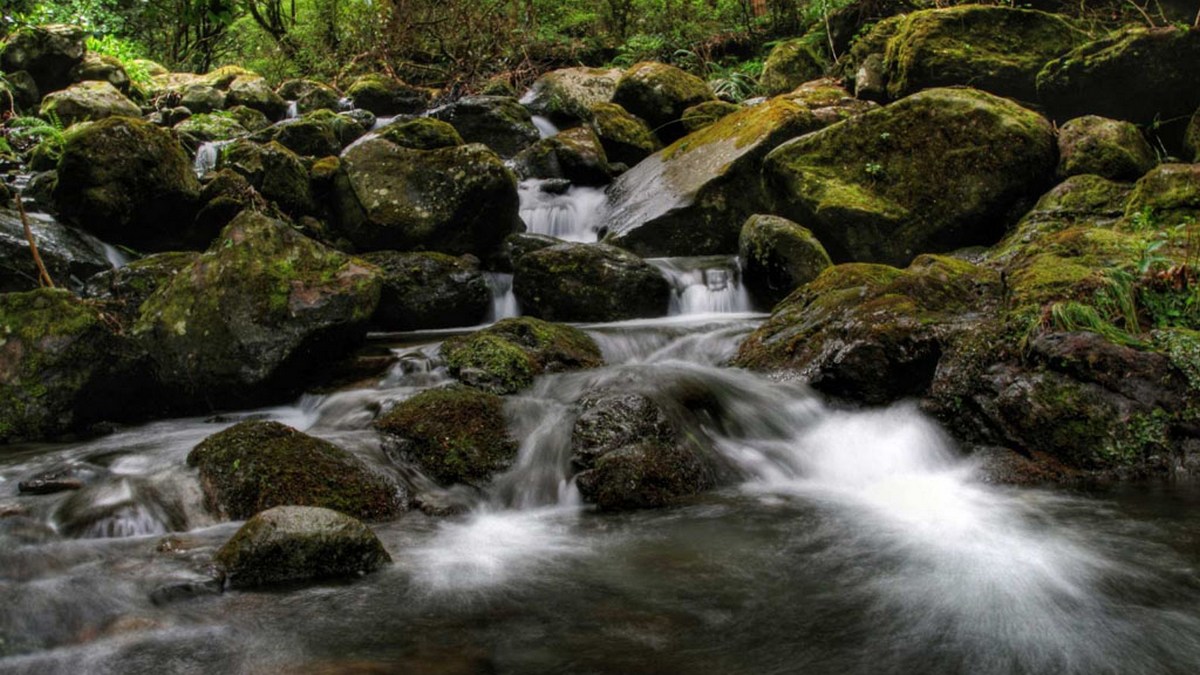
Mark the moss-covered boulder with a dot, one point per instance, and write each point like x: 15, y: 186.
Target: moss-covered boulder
x: 936, y: 171
x: 829, y: 101
x: 1085, y: 200
x: 1169, y: 195
x: 87, y: 101
x: 275, y: 171
x: 455, y: 200
x: 589, y: 282
x: 252, y: 119
x: 455, y: 434
x: 778, y: 256
x: 256, y: 465
x: 69, y: 258
x: 256, y: 315
x: 996, y: 49
x: 295, y: 544
x: 123, y: 290
x: 429, y: 290
x: 499, y: 122
x: 505, y: 357
x: 310, y: 136
x: 791, y: 63
x: 253, y: 92
x: 422, y: 133
x: 207, y: 127
x: 48, y: 53
x: 309, y: 95
x: 704, y: 114
x: 1109, y: 148
x: 128, y: 182
x: 226, y: 193
x: 23, y: 89
x: 575, y: 155
x: 567, y: 95
x: 692, y: 197
x: 385, y: 96
x: 101, y: 68
x: 201, y: 98
x: 1134, y: 75
x: 62, y: 367
x: 626, y: 138
x: 659, y: 94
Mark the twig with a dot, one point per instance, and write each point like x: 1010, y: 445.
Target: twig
x: 44, y: 279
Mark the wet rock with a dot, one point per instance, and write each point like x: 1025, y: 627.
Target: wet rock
x: 567, y: 95
x: 385, y: 96
x: 129, y: 182
x: 704, y: 114
x: 575, y: 155
x: 505, y: 357
x: 317, y: 134
x: 125, y: 289
x: 792, y: 63
x: 422, y: 133
x: 257, y: 465
x: 659, y: 94
x: 69, y: 257
x: 101, y: 68
x: 71, y: 476
x: 1110, y: 148
x: 692, y: 197
x: 939, y: 170
x: 429, y: 290
x: 202, y: 99
x: 256, y: 314
x: 86, y: 102
x: 276, y: 172
x: 455, y: 434
x: 119, y: 507
x: 48, y: 53
x: 499, y: 122
x: 778, y: 256
x: 292, y: 544
x: 226, y: 193
x: 515, y: 247
x: 253, y: 92
x: 625, y: 138
x: 187, y: 585
x: 589, y: 282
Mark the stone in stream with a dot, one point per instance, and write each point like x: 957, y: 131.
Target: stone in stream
x: 624, y: 137
x: 321, y: 133
x: 68, y: 257
x: 575, y: 155
x: 499, y: 122
x: 310, y: 95
x: 119, y: 506
x: 567, y: 95
x: 589, y: 282
x: 276, y: 172
x: 293, y: 544
x: 385, y: 96
x: 257, y: 465
x: 505, y: 357
x: 206, y: 127
x: 252, y: 91
x: 1110, y: 148
x: 659, y: 93
x: 48, y: 53
x: 778, y: 256
x: 429, y: 290
x: 102, y: 68
x: 87, y: 102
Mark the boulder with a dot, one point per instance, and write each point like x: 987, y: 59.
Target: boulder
x: 48, y: 53
x: 515, y: 247
x: 307, y: 136
x: 575, y: 155
x: 226, y: 193
x: 62, y: 368
x: 1109, y: 148
x: 567, y: 95
x: 207, y: 127
x: 778, y: 256
x: 589, y: 282
x: 1085, y: 200
x: 123, y: 290
x: 505, y: 357
x: 429, y: 290
x: 87, y: 101
x: 659, y: 94
x: 293, y: 544
x: 829, y: 101
x: 939, y: 170
x: 24, y: 90
x: 255, y: 315
x: 253, y: 92
x: 309, y: 95
x: 422, y: 133
x: 69, y: 257
x: 791, y: 63
x: 1168, y: 195
x: 202, y: 98
x: 252, y: 119
x: 455, y: 434
x: 101, y: 68
x: 276, y: 172
x: 257, y: 465
x: 455, y: 200
x: 625, y: 138
x: 499, y: 122
x: 692, y: 197
x: 385, y: 96
x: 128, y: 182
x: 704, y: 114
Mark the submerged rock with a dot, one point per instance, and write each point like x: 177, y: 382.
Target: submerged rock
x: 589, y: 282
x: 429, y: 290
x: 505, y: 357
x: 567, y: 95
x: 292, y: 544
x: 659, y: 94
x: 87, y: 102
x: 778, y: 256
x: 257, y: 465
x: 1110, y: 148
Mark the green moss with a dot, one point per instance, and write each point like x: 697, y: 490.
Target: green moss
x: 792, y: 63
x: 748, y: 126
x: 1168, y: 195
x: 625, y: 138
x: 218, y: 126
x: 422, y: 133
x: 505, y: 357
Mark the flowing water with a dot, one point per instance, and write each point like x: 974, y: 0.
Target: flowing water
x: 704, y: 285
x: 207, y: 155
x: 845, y: 541
x: 568, y: 212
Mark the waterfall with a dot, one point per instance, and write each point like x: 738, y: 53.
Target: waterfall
x: 207, y: 156
x: 504, y: 301
x: 293, y: 110
x: 704, y: 285
x: 568, y: 212
x: 544, y: 126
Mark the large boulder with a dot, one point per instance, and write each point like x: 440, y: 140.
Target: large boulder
x: 589, y: 282
x: 102, y: 68
x: 505, y: 357
x: 456, y: 200
x: 429, y: 290
x: 202, y: 98
x: 499, y: 122
x: 385, y: 96
x: 704, y: 114
x: 293, y: 544
x: 87, y: 101
x: 128, y: 182
x: 253, y: 92
x: 625, y: 138
x: 317, y: 134
x: 576, y: 155
x: 692, y: 197
x: 275, y: 171
x: 1109, y: 148
x: 567, y: 95
x: 1167, y: 196
x: 48, y: 53
x: 124, y: 289
x: 659, y: 94
x: 62, y: 367
x: 996, y: 49
x: 207, y: 127
x: 778, y: 256
x: 791, y: 63
x: 256, y: 465
x: 309, y: 95
x: 936, y: 171
x: 455, y: 434
x: 69, y: 257
x: 256, y: 315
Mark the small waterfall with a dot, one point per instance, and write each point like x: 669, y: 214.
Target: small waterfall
x: 344, y: 104
x: 293, y: 110
x: 568, y: 212
x: 504, y: 302
x: 705, y: 285
x: 115, y: 256
x: 381, y: 122
x: 544, y: 126
x: 207, y: 156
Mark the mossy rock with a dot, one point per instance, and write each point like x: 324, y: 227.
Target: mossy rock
x: 23, y: 89
x: 422, y: 133
x: 128, y: 182
x: 792, y: 63
x: 499, y: 122
x: 295, y: 544
x: 702, y: 115
x: 1109, y: 148
x: 626, y: 138
x: 429, y: 290
x: 778, y: 256
x: 123, y: 290
x: 575, y: 155
x: 256, y: 315
x: 152, y: 68
x: 692, y: 197
x: 314, y: 135
x: 870, y: 45
x: 455, y: 200
x: 996, y: 49
x: 63, y: 368
x: 937, y: 171
x: 87, y: 101
x: 385, y: 96
x: 310, y: 95
x: 455, y: 434
x: 202, y: 99
x: 505, y: 357
x: 589, y: 282
x: 226, y: 193
x: 275, y: 171
x: 1168, y: 195
x: 224, y: 76
x: 253, y: 92
x: 829, y: 101
x: 68, y: 257
x: 102, y: 68
x: 1085, y: 200
x: 48, y: 53
x: 256, y: 465
x: 206, y: 127
x: 567, y: 95
x: 659, y: 94
x: 252, y: 119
